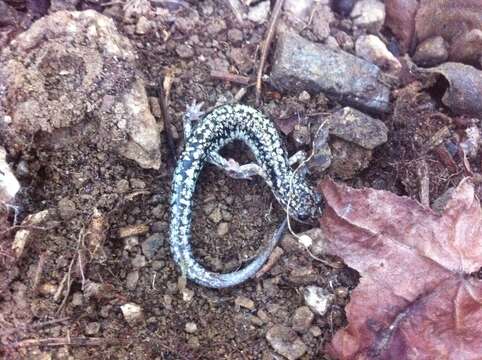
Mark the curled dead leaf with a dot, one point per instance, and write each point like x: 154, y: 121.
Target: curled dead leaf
x: 416, y: 297
x: 465, y: 87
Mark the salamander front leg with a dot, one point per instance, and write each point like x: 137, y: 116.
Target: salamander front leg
x: 193, y: 113
x: 234, y: 169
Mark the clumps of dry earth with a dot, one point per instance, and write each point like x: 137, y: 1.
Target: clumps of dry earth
x: 84, y: 255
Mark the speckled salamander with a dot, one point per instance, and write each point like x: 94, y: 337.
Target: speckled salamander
x: 223, y: 125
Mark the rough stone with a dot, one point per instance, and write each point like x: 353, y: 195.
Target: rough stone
x: 318, y: 299
x: 348, y: 158
x: 92, y: 328
x: 132, y: 313
x: 70, y: 66
x: 431, y: 52
x: 372, y: 49
x: 132, y: 279
x: 259, y: 12
x: 9, y: 185
x: 303, y: 65
x: 223, y: 229
x: 138, y: 261
x: 190, y: 327
x: 369, y: 15
x: 286, y: 342
x: 244, y: 302
x: 67, y: 209
x: 322, y: 18
x: 298, y: 8
x: 302, y: 319
x: 151, y: 245
x: 361, y: 129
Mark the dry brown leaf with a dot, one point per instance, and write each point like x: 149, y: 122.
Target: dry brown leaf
x: 416, y: 298
x: 455, y: 21
x: 401, y: 20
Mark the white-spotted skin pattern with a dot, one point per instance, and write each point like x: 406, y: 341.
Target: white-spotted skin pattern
x: 223, y: 125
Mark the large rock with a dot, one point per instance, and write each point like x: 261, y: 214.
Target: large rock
x: 300, y: 65
x: 73, y: 72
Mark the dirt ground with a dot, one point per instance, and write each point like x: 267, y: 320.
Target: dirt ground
x: 232, y: 218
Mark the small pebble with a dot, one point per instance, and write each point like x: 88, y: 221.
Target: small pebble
x: 431, y: 52
x: 77, y: 299
x: 138, y: 261
x: 92, y: 328
x: 235, y: 36
x: 190, y: 327
x: 369, y: 15
x: 302, y: 319
x: 216, y: 215
x: 67, y: 209
x: 244, y: 302
x: 122, y: 186
x: 286, y: 342
x: 132, y: 279
x: 259, y: 12
x: 187, y: 294
x: 132, y: 313
x: 223, y: 229
x: 315, y: 331
x: 318, y: 299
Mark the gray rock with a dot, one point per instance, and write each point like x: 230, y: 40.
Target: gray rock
x: 190, y: 327
x: 298, y: 8
x: 67, y: 209
x: 372, y: 49
x: 303, y: 65
x: 286, y: 342
x: 354, y: 126
x: 432, y: 51
x: 132, y: 313
x: 235, y: 36
x: 92, y: 328
x: 132, y: 279
x: 223, y: 229
x: 216, y: 215
x: 139, y: 261
x: 71, y: 66
x: 244, y: 302
x: 369, y: 15
x: 318, y: 299
x: 259, y: 12
x: 302, y: 319
x: 322, y: 17
x: 9, y: 185
x: 151, y: 245
x: 348, y: 158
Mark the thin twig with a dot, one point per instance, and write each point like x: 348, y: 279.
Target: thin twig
x: 161, y: 94
x: 266, y: 46
x: 27, y: 327
x: 38, y: 271
x: 73, y: 341
x: 227, y: 76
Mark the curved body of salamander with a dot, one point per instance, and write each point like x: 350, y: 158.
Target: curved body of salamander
x: 223, y: 125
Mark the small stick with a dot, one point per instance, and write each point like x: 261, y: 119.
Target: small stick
x: 272, y: 260
x: 74, y: 341
x: 424, y: 183
x: 167, y: 119
x: 25, y: 327
x: 266, y: 46
x: 226, y: 76
x: 38, y: 271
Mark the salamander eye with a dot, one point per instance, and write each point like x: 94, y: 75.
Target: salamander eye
x: 303, y: 216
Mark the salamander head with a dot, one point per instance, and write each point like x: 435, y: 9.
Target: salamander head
x: 304, y: 203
